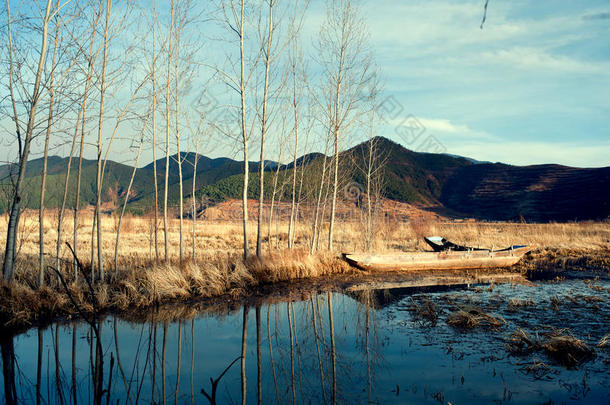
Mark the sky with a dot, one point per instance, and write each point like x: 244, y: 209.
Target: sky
x: 531, y: 87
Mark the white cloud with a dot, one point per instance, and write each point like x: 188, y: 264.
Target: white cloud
x: 443, y: 125
x: 539, y: 59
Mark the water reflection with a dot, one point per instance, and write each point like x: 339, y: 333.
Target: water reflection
x: 328, y: 348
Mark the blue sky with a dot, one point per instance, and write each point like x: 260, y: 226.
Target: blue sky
x: 533, y: 86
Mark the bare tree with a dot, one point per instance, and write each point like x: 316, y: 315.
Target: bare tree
x: 91, y: 62
x: 167, y: 127
x: 345, y: 61
x: 24, y: 143
x: 299, y: 79
x: 268, y: 58
x: 153, y: 78
x: 127, y: 195
x: 233, y: 19
x: 98, y: 183
x: 43, y: 183
x: 242, y: 96
x: 371, y: 165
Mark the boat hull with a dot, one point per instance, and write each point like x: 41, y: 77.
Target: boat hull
x: 435, y: 260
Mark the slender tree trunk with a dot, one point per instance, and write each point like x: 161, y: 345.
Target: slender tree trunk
x: 43, y: 183
x: 7, y: 348
x: 163, y: 362
x: 177, y: 100
x: 82, y: 145
x: 259, y: 364
x: 277, y: 391
x: 154, y: 134
x: 244, y: 339
x: 192, y: 361
x: 98, y: 202
x: 179, y: 361
x: 62, y: 209
x: 316, y: 221
x: 273, y: 194
x: 335, y: 187
x: 242, y: 91
x: 296, y: 211
x: 167, y: 129
x: 43, y: 186
x: 73, y: 390
x: 315, y: 334
x: 261, y: 173
x: 8, y: 266
x: 118, y: 231
x: 295, y: 108
x: 196, y: 159
x: 292, y: 387
x: 332, y: 348
x: 39, y: 368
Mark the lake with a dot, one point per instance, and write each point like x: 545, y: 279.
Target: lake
x: 366, y: 346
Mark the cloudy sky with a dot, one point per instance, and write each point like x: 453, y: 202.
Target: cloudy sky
x: 533, y: 86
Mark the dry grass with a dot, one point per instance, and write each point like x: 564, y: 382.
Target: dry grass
x: 469, y: 317
x: 424, y: 311
x: 559, y: 345
x: 565, y: 349
x: 218, y: 268
x: 520, y: 343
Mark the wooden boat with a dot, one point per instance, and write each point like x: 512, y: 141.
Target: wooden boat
x: 446, y: 260
x: 440, y: 244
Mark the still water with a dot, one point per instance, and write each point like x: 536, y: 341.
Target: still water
x: 352, y: 347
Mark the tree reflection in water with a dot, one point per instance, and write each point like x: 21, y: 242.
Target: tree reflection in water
x: 328, y: 348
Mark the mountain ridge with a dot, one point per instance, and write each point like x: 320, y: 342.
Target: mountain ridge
x: 456, y: 184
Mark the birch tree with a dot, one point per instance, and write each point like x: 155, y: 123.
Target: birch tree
x: 43, y: 183
x: 345, y: 59
x: 34, y: 95
x: 98, y: 179
x: 167, y: 126
x: 232, y: 17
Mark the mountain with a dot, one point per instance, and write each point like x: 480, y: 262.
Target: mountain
x: 536, y: 193
x: 451, y: 185
x: 116, y: 180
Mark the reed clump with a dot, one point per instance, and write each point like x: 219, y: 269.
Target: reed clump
x: 559, y: 345
x: 520, y: 343
x: 567, y: 350
x: 424, y: 311
x: 470, y: 317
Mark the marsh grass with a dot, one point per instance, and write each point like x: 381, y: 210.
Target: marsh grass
x: 567, y: 350
x: 424, y: 311
x: 218, y: 269
x: 470, y: 317
x: 559, y: 345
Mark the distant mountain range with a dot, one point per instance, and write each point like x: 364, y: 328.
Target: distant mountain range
x: 452, y: 185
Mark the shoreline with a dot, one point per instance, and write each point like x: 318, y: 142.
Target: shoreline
x: 278, y: 276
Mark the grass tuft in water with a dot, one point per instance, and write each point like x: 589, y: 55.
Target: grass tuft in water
x: 470, y: 317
